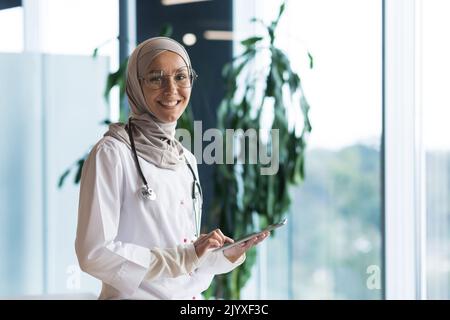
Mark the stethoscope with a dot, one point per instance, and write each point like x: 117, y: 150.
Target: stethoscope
x: 148, y: 193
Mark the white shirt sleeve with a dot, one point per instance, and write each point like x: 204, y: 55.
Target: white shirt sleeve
x: 121, y: 265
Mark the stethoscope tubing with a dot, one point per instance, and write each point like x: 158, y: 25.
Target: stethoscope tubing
x: 148, y: 192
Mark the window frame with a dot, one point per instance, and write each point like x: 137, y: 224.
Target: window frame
x: 404, y: 197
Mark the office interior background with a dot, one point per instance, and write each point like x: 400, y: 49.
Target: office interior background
x: 371, y: 220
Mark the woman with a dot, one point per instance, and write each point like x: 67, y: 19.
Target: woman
x: 138, y: 224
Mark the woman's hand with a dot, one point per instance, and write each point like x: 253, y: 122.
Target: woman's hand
x: 235, y: 252
x: 214, y: 239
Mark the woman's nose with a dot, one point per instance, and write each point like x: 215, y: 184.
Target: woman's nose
x: 170, y: 85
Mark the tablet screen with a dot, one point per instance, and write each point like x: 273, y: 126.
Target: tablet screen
x: 251, y: 235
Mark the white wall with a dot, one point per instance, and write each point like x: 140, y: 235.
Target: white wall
x: 52, y: 106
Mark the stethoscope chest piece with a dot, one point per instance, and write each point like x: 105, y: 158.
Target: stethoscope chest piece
x: 148, y: 193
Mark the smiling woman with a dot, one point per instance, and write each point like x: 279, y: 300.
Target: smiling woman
x: 140, y: 196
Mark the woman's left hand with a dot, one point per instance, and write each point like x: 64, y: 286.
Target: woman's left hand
x: 235, y: 252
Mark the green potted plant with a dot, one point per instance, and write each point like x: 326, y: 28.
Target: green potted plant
x: 244, y: 199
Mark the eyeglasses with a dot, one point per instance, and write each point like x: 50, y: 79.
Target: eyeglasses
x: 183, y: 77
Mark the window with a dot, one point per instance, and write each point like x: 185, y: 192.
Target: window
x: 332, y: 247
x: 436, y: 143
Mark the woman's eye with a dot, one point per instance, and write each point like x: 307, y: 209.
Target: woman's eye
x: 181, y: 76
x: 155, y: 79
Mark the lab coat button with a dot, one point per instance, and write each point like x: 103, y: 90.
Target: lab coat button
x: 182, y: 202
x: 193, y: 298
x: 185, y: 240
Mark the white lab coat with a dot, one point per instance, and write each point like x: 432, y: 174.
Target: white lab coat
x: 141, y: 249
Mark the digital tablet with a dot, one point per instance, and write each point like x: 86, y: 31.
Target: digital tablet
x: 251, y: 235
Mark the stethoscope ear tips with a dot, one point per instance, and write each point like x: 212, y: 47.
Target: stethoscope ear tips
x: 147, y: 193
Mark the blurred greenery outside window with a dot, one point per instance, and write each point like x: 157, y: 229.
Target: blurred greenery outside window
x: 331, y: 248
x: 436, y: 144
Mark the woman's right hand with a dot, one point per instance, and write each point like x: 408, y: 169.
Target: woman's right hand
x: 214, y: 239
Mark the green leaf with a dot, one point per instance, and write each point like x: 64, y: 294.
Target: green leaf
x: 79, y: 171
x: 116, y: 78
x: 257, y: 20
x: 227, y: 69
x: 280, y: 13
x: 311, y: 61
x: 166, y: 30
x: 251, y: 41
x: 305, y: 111
x: 274, y: 24
x: 186, y: 121
x: 62, y: 178
x: 294, y: 82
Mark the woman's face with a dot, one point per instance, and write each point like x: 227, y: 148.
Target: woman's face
x: 168, y: 102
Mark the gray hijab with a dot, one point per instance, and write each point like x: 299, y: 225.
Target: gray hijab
x: 154, y: 140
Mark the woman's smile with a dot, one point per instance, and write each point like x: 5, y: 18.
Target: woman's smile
x: 169, y: 103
